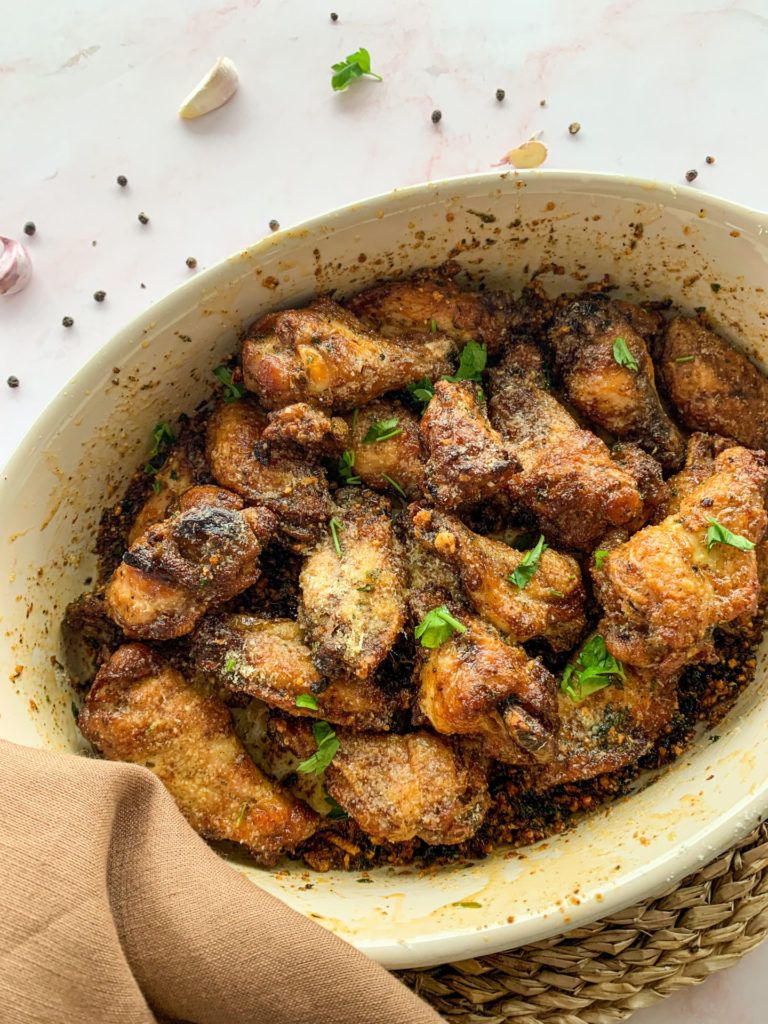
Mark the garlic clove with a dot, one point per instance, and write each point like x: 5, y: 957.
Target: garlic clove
x: 218, y: 86
x: 15, y: 266
x: 529, y: 154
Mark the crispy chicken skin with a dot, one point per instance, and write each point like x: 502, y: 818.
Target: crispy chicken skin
x: 301, y: 426
x: 172, y: 574
x: 476, y: 684
x: 622, y: 400
x: 663, y: 593
x: 140, y: 710
x: 399, y: 457
x: 185, y: 466
x: 433, y: 296
x: 719, y: 390
x: 550, y: 605
x: 467, y: 460
x: 325, y: 356
x: 290, y: 483
x: 352, y: 604
x: 266, y: 658
x: 568, y: 480
x: 699, y: 466
x: 401, y: 787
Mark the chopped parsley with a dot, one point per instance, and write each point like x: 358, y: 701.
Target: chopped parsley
x: 382, y: 430
x: 600, y: 557
x: 346, y: 465
x: 307, y: 700
x: 337, y: 812
x: 623, y: 356
x: 528, y: 565
x: 355, y: 66
x: 327, y: 745
x: 241, y: 815
x: 396, y: 485
x: 164, y: 438
x: 715, y: 287
x: 422, y: 391
x: 335, y: 528
x: 717, y: 534
x: 472, y: 362
x: 683, y: 359
x: 436, y: 627
x: 230, y: 665
x: 593, y: 669
x: 471, y: 904
x: 433, y: 325
x: 232, y: 391
x: 523, y: 541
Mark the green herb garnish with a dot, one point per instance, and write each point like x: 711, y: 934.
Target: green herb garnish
x: 436, y: 627
x: 241, y: 815
x: 523, y: 541
x: 164, y: 438
x: 396, y: 485
x: 717, y: 534
x: 623, y: 356
x: 346, y: 465
x: 230, y: 665
x: 683, y: 359
x: 355, y: 66
x: 335, y: 527
x: 591, y: 671
x: 337, y: 812
x: 600, y: 557
x: 472, y: 362
x: 327, y: 745
x: 423, y: 391
x: 528, y: 565
x: 232, y: 391
x: 382, y: 430
x: 307, y: 700
x: 467, y: 903
x: 433, y: 325
x: 715, y: 287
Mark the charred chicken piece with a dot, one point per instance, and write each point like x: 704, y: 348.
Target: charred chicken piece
x: 266, y: 658
x: 300, y: 426
x: 568, y: 480
x: 667, y: 588
x: 142, y: 711
x: 291, y: 484
x: 713, y: 386
x: 386, y: 445
x: 468, y: 461
x: 400, y: 787
x: 170, y: 576
x: 549, y: 605
x: 325, y: 356
x: 352, y: 583
x: 614, y: 387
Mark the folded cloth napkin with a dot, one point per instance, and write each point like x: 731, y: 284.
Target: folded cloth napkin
x: 113, y: 910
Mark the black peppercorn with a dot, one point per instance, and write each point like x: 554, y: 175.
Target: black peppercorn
x: 13, y: 382
x: 500, y: 94
x: 274, y: 225
x: 122, y: 181
x: 334, y: 16
x: 191, y: 262
x: 99, y: 296
x: 710, y: 160
x: 574, y: 127
x: 691, y: 175
x: 67, y: 321
x: 29, y: 228
x: 436, y: 116
x: 144, y: 219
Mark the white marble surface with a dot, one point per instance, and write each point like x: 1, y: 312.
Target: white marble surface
x: 89, y: 90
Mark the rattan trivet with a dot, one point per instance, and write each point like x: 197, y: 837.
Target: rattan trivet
x: 601, y: 973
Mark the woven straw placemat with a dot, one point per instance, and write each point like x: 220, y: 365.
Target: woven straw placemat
x: 601, y: 973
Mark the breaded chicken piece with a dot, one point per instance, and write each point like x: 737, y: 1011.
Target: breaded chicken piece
x: 172, y: 574
x: 325, y: 356
x: 647, y: 475
x: 550, y: 605
x: 301, y: 426
x: 142, y: 711
x: 401, y: 787
x: 699, y: 466
x: 622, y: 400
x: 431, y: 301
x: 712, y: 385
x: 266, y: 658
x: 568, y: 480
x: 399, y: 457
x: 352, y: 603
x: 663, y: 592
x: 476, y: 684
x: 467, y: 460
x: 292, y: 484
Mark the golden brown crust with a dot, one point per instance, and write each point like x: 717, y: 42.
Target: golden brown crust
x: 301, y: 426
x: 399, y: 457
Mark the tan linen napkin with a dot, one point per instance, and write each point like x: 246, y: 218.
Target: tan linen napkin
x: 113, y: 911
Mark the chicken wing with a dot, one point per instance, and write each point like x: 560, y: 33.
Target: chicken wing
x: 398, y: 458
x: 667, y: 588
x: 699, y: 466
x: 400, y: 787
x: 549, y: 605
x: 468, y: 461
x: 568, y: 480
x: 301, y: 426
x: 614, y: 387
x: 352, y: 584
x: 713, y: 386
x: 172, y: 574
x: 266, y: 658
x: 324, y: 355
x: 291, y: 484
x: 142, y: 711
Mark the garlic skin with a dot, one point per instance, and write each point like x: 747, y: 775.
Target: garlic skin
x: 213, y: 91
x: 15, y: 266
x: 529, y: 154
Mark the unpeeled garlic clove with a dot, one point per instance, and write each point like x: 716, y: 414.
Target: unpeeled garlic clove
x: 15, y: 266
x: 218, y: 86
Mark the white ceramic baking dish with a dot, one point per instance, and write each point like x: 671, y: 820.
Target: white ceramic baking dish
x: 652, y: 239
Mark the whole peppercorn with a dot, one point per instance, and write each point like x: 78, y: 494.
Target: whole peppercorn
x: 122, y: 181
x: 436, y: 116
x: 691, y: 175
x: 13, y: 382
x: 143, y: 218
x: 99, y: 296
x: 574, y: 127
x: 710, y: 160
x: 191, y: 262
x: 334, y: 16
x: 274, y: 225
x: 500, y: 94
x: 67, y: 321
x: 30, y: 228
